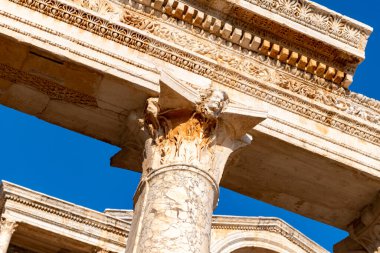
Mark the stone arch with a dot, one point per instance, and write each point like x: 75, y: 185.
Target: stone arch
x: 253, y: 249
x: 253, y: 239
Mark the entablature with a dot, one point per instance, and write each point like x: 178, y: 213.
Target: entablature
x: 53, y: 221
x: 299, y: 33
x: 174, y: 42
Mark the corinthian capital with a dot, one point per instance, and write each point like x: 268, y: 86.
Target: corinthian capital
x: 7, y: 225
x: 196, y: 126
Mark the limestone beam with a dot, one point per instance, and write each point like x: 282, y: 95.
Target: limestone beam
x: 192, y: 131
x: 364, y: 231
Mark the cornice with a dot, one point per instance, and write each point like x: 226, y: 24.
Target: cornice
x: 296, y: 98
x: 287, y: 76
x: 318, y: 144
x: 274, y: 225
x: 63, y: 209
x: 258, y: 41
x: 120, y: 227
x: 310, y: 15
x: 144, y: 19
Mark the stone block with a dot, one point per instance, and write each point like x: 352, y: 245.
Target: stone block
x: 274, y: 51
x: 188, y: 16
x: 311, y: 66
x: 302, y: 62
x: 321, y: 69
x: 11, y: 54
x: 255, y: 44
x: 347, y: 81
x: 146, y: 2
x: 293, y: 58
x: 208, y: 22
x: 179, y: 10
x: 199, y: 17
x: 118, y: 94
x: 227, y: 30
x: 217, y: 25
x: 246, y: 39
x: 236, y: 35
x: 158, y: 4
x: 284, y: 54
x: 25, y: 99
x: 70, y: 75
x: 330, y: 73
x: 265, y: 46
x: 338, y: 78
x: 170, y: 5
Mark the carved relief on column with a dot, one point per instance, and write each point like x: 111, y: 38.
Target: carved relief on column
x: 366, y: 229
x: 192, y: 131
x: 7, y: 228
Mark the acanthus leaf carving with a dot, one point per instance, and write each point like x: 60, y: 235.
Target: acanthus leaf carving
x: 185, y: 135
x: 8, y: 226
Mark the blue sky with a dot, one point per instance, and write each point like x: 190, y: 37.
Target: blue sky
x: 76, y: 168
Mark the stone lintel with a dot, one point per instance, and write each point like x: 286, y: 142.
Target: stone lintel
x: 365, y: 230
x: 348, y: 245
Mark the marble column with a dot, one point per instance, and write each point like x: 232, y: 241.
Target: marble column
x: 191, y: 136
x: 7, y: 228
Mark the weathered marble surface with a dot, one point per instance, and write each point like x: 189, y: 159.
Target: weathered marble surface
x: 7, y: 228
x: 40, y: 228
x: 317, y: 154
x: 177, y: 214
x: 190, y: 134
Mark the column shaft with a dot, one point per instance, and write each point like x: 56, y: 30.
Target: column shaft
x: 174, y: 210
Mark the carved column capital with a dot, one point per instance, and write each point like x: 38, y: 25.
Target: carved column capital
x: 8, y: 226
x: 366, y: 229
x: 192, y: 130
x: 199, y: 127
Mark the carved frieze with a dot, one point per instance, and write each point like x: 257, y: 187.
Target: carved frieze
x: 48, y: 212
x: 296, y: 97
x: 309, y: 14
x: 332, y: 94
x: 50, y: 88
